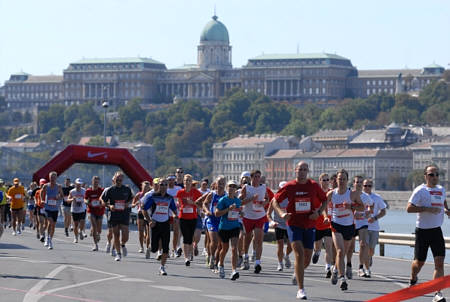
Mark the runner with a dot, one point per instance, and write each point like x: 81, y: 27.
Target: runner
x: 254, y: 198
x: 187, y: 198
x: 117, y: 198
x: 305, y: 201
x: 361, y: 230
x: 155, y: 189
x: 96, y: 209
x: 200, y: 227
x: 379, y: 210
x: 228, y: 209
x: 78, y: 209
x: 143, y: 227
x: 344, y: 202
x: 52, y: 194
x: 3, y: 203
x: 172, y: 190
x: 212, y: 221
x: 245, y: 179
x: 204, y: 189
x: 279, y: 224
x: 65, y: 209
x: 156, y: 211
x: 323, y: 231
x: 40, y: 212
x: 179, y: 178
x: 17, y: 195
x: 428, y: 201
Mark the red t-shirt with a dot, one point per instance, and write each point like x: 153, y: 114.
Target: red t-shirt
x: 95, y: 206
x: 270, y: 195
x: 188, y: 211
x: 320, y: 225
x: 303, y: 199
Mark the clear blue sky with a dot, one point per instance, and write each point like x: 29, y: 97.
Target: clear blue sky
x: 43, y: 37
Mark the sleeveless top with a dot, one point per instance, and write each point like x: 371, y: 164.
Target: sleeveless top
x: 255, y: 209
x: 339, y: 214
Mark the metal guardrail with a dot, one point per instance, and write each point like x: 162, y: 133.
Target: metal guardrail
x: 401, y: 239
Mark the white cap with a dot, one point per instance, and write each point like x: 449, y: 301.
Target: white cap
x: 232, y: 182
x: 79, y: 181
x: 282, y: 183
x: 245, y: 174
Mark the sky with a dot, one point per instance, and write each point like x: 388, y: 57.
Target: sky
x: 43, y: 37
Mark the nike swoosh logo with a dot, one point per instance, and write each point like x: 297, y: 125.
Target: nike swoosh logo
x: 90, y: 155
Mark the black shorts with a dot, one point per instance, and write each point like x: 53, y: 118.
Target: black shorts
x: 322, y: 233
x: 280, y: 234
x: 187, y: 227
x: 426, y: 238
x: 347, y: 231
x: 119, y: 219
x: 161, y: 231
x: 357, y: 230
x: 52, y: 215
x: 79, y: 216
x: 226, y: 235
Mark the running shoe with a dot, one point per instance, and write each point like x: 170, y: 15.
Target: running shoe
x: 30, y: 225
x: 75, y: 240
x: 42, y: 238
x: 258, y: 269
x: 246, y: 265
x: 361, y: 273
x: 301, y: 294
x: 81, y: 236
x: 239, y: 262
x: 95, y: 247
x: 113, y: 252
x: 334, y: 276
x: 19, y: 231
x: 118, y: 257
x: 124, y: 251
x: 108, y: 247
x: 50, y: 244
x: 234, y: 276
x: 66, y: 231
x: 14, y: 233
x: 204, y: 252
x: 179, y: 252
x: 46, y: 241
x: 343, y: 283
x: 315, y: 257
x: 328, y: 275
x: 438, y: 297
x: 38, y: 236
x: 84, y: 234
x: 159, y: 255
x: 287, y: 262
x: 368, y: 273
x: 172, y: 254
x: 293, y: 279
x: 187, y: 262
x: 211, y: 262
x: 147, y: 254
x: 23, y: 227
x: 280, y: 267
x: 162, y: 271
x: 221, y: 272
x: 412, y: 282
x: 348, y: 272
x: 216, y: 269
x: 207, y: 260
x: 141, y: 250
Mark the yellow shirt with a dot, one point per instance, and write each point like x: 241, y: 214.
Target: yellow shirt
x: 3, y: 199
x: 17, y: 195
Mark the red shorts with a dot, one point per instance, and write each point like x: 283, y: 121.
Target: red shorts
x: 251, y: 224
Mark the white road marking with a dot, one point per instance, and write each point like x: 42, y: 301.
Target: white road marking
x: 176, y: 288
x: 24, y: 259
x: 95, y: 270
x: 136, y: 280
x: 81, y: 284
x: 33, y: 294
x: 229, y: 298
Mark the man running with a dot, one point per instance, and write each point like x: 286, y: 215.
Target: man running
x: 52, y: 194
x: 305, y: 201
x: 172, y: 190
x: 17, y: 195
x: 379, y: 210
x: 254, y: 198
x: 96, y: 209
x: 118, y: 198
x: 78, y: 209
x: 143, y: 227
x: 156, y: 212
x: 428, y: 201
x: 3, y: 203
x: 41, y: 223
x: 65, y: 209
x: 344, y: 202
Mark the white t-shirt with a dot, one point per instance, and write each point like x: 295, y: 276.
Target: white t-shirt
x: 173, y: 191
x: 424, y: 196
x: 378, y: 205
x: 255, y: 209
x: 339, y: 213
x: 78, y: 205
x: 360, y: 216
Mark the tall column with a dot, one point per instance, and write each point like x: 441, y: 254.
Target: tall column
x: 278, y: 87
x: 292, y: 87
x: 285, y: 87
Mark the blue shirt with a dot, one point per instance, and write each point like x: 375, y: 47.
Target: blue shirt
x: 212, y: 207
x: 232, y: 222
x: 160, y: 205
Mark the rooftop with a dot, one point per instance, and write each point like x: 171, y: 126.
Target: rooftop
x: 298, y: 56
x: 334, y: 133
x: 371, y: 136
x: 347, y: 153
x: 130, y: 60
x: 246, y: 141
x: 44, y: 79
x: 290, y: 153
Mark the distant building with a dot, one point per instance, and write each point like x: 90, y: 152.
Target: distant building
x: 334, y: 139
x: 24, y: 147
x: 393, y: 136
x: 245, y: 153
x: 294, y: 78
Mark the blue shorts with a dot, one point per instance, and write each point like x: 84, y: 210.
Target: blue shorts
x: 266, y: 227
x: 199, y: 224
x: 306, y: 236
x: 31, y: 207
x: 211, y: 226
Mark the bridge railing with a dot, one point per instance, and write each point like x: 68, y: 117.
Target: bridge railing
x: 401, y: 239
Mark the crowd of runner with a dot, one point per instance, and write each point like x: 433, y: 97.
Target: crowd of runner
x: 307, y: 216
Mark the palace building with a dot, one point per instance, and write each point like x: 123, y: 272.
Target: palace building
x: 294, y: 78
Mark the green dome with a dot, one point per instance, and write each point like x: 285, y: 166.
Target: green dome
x: 215, y: 31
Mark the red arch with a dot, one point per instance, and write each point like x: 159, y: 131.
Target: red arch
x: 95, y: 155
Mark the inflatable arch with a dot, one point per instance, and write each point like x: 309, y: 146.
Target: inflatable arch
x: 95, y: 155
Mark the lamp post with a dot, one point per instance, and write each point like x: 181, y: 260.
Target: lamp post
x: 105, y: 106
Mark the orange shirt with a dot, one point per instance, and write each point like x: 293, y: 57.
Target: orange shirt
x: 37, y: 198
x: 188, y: 211
x: 17, y: 195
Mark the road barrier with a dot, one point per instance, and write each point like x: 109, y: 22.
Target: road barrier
x: 401, y: 239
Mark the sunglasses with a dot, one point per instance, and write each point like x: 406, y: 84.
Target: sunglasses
x: 179, y: 172
x: 367, y: 186
x: 433, y: 174
x: 232, y: 186
x: 325, y: 179
x: 163, y: 185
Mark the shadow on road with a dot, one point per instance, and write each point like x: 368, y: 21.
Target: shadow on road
x: 13, y: 246
x: 27, y: 277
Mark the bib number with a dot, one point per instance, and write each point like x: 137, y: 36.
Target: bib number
x: 51, y: 202
x: 233, y: 215
x: 119, y: 205
x: 188, y: 210
x: 95, y: 203
x: 162, y: 209
x: 18, y: 196
x: 257, y: 206
x: 303, y: 206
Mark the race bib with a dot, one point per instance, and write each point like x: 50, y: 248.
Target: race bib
x: 119, y: 205
x: 51, y: 202
x: 18, y: 196
x: 42, y: 210
x: 162, y: 208
x: 233, y: 215
x: 257, y: 206
x: 436, y: 201
x: 303, y: 206
x: 79, y: 199
x: 360, y: 215
x: 95, y: 203
x: 188, y: 210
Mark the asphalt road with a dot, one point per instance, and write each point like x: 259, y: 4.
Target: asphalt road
x: 72, y: 272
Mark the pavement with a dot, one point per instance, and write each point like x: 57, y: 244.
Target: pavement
x: 72, y: 272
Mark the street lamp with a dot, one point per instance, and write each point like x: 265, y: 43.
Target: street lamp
x: 105, y: 106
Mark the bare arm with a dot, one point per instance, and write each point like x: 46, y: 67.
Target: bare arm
x: 419, y: 209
